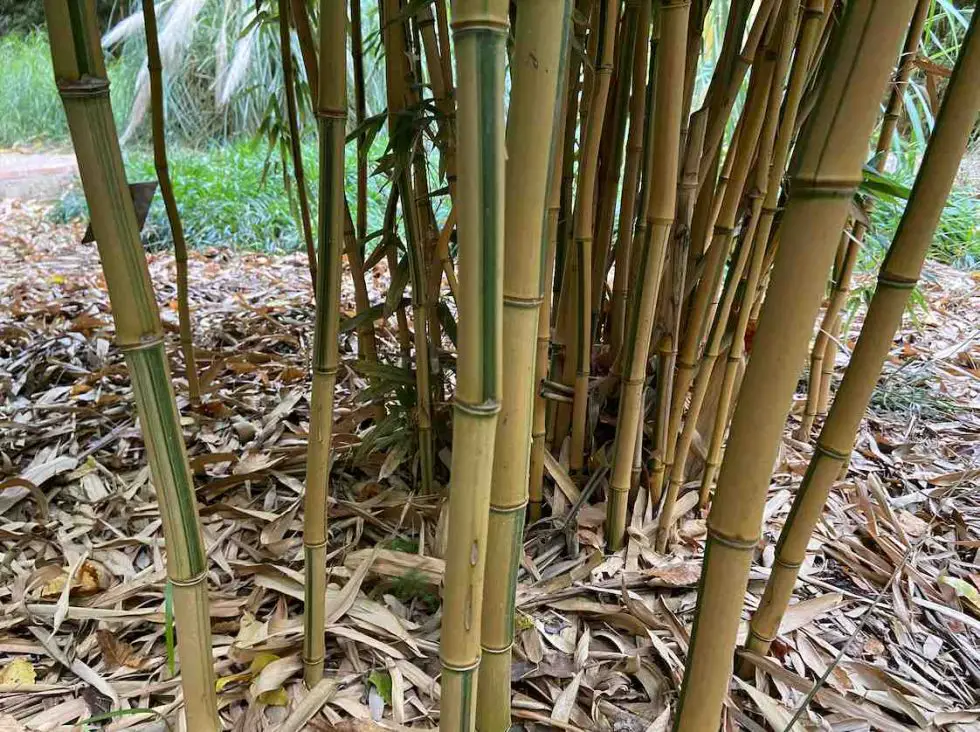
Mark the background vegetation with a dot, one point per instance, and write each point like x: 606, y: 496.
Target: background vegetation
x: 223, y: 86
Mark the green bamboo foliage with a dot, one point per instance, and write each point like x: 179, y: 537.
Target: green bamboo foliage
x: 664, y: 146
x: 898, y: 276
x: 295, y: 151
x: 536, y: 67
x: 81, y: 77
x: 332, y: 116
x: 480, y: 34
x: 605, y: 34
x: 155, y: 68
x: 401, y: 100
x: 825, y: 174
x: 768, y: 183
x: 824, y: 352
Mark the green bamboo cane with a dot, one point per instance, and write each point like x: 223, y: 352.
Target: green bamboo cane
x: 665, y: 152
x: 480, y: 34
x: 332, y: 115
x: 155, y: 68
x: 295, y: 150
x: 898, y: 277
x: 826, y: 171
x: 80, y: 73
x: 539, y: 52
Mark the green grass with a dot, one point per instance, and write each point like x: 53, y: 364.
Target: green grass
x: 957, y: 238
x: 32, y: 111
x: 228, y: 195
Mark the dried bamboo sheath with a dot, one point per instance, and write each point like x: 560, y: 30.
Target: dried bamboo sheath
x: 81, y: 76
x: 825, y: 173
x: 898, y: 277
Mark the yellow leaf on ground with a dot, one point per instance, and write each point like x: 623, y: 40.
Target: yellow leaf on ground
x: 18, y: 671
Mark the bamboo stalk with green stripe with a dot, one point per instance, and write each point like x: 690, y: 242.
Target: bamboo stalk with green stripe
x: 664, y: 151
x: 155, y: 68
x: 480, y: 34
x: 80, y: 73
x: 332, y: 116
x: 826, y: 171
x: 537, y: 68
x: 898, y: 277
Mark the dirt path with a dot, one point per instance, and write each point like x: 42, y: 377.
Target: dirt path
x: 35, y: 175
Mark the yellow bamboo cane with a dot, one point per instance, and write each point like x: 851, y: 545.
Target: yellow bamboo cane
x: 332, y: 115
x: 536, y: 66
x: 665, y: 135
x: 899, y: 274
x: 480, y: 34
x: 80, y: 73
x: 825, y: 174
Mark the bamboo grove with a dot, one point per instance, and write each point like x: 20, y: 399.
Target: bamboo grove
x: 620, y: 270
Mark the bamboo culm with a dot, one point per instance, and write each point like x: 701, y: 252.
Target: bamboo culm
x: 155, y: 68
x: 541, y: 40
x: 825, y: 173
x: 80, y: 73
x: 480, y: 35
x: 898, y: 277
x: 664, y: 144
x: 332, y: 116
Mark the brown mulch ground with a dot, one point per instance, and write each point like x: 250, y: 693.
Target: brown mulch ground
x: 892, y: 577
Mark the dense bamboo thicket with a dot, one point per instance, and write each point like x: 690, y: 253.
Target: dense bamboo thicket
x: 605, y: 243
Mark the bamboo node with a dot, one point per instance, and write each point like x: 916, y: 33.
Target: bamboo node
x: 461, y: 27
x: 86, y: 87
x: 830, y: 452
x: 812, y: 188
x: 314, y: 544
x: 496, y: 651
x: 313, y: 661
x: 192, y: 582
x: 896, y: 283
x: 785, y: 563
x: 509, y: 509
x: 460, y: 668
x: 486, y: 409
x: 328, y: 113
x: 145, y: 343
x: 733, y: 542
x: 523, y: 303
x: 759, y: 636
